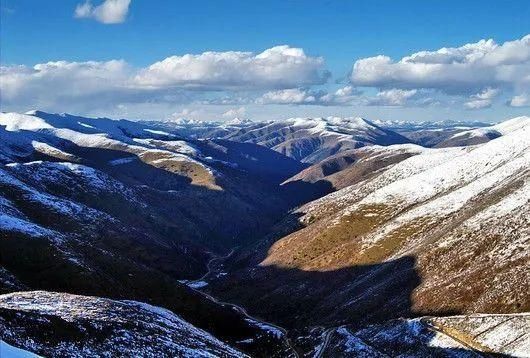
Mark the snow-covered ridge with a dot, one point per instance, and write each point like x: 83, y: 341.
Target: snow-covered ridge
x: 474, y: 163
x: 438, y: 182
x: 16, y: 122
x: 454, y: 336
x: 124, y: 327
x: 329, y: 125
x: 51, y: 134
x: 502, y: 128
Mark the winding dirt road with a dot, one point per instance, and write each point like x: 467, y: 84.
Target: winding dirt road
x: 240, y: 309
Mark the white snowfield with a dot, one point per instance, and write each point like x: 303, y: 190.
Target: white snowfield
x: 15, y: 122
x: 125, y: 328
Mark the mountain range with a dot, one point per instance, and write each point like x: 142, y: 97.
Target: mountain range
x: 298, y: 237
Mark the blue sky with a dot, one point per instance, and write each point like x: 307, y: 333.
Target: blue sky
x: 333, y: 35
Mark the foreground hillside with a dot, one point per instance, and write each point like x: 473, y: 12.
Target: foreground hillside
x: 99, y: 327
x: 444, y: 231
x: 456, y: 336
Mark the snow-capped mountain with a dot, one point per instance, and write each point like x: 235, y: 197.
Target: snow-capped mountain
x: 442, y: 231
x: 142, y: 159
x: 484, y: 134
x: 313, y: 139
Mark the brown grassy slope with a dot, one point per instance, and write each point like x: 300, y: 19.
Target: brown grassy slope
x: 463, y: 261
x: 352, y: 166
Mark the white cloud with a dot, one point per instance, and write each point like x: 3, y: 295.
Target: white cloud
x: 235, y: 113
x: 465, y: 69
x: 488, y: 93
x: 483, y: 99
x: 288, y: 96
x: 392, y: 97
x: 298, y: 96
x: 477, y: 104
x: 346, y: 96
x: 109, y: 12
x: 55, y: 82
x: 100, y: 84
x: 279, y: 67
x: 84, y: 10
x: 522, y: 100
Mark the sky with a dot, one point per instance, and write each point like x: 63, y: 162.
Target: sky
x: 266, y: 60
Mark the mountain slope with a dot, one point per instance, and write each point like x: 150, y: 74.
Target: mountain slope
x: 176, y: 179
x: 123, y: 210
x: 456, y: 336
x: 429, y: 134
x: 351, y: 166
x: 312, y: 139
x: 99, y: 327
x: 444, y: 231
x: 484, y: 134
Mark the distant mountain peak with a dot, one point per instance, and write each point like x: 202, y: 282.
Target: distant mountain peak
x: 239, y: 121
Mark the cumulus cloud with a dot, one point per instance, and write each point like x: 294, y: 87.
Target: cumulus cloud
x: 109, y: 12
x: 347, y: 96
x: 51, y: 83
x: 288, y: 96
x: 392, y: 97
x: 174, y: 79
x: 344, y: 96
x: 465, y: 69
x: 279, y: 67
x: 522, y: 100
x: 483, y: 99
x: 297, y: 96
